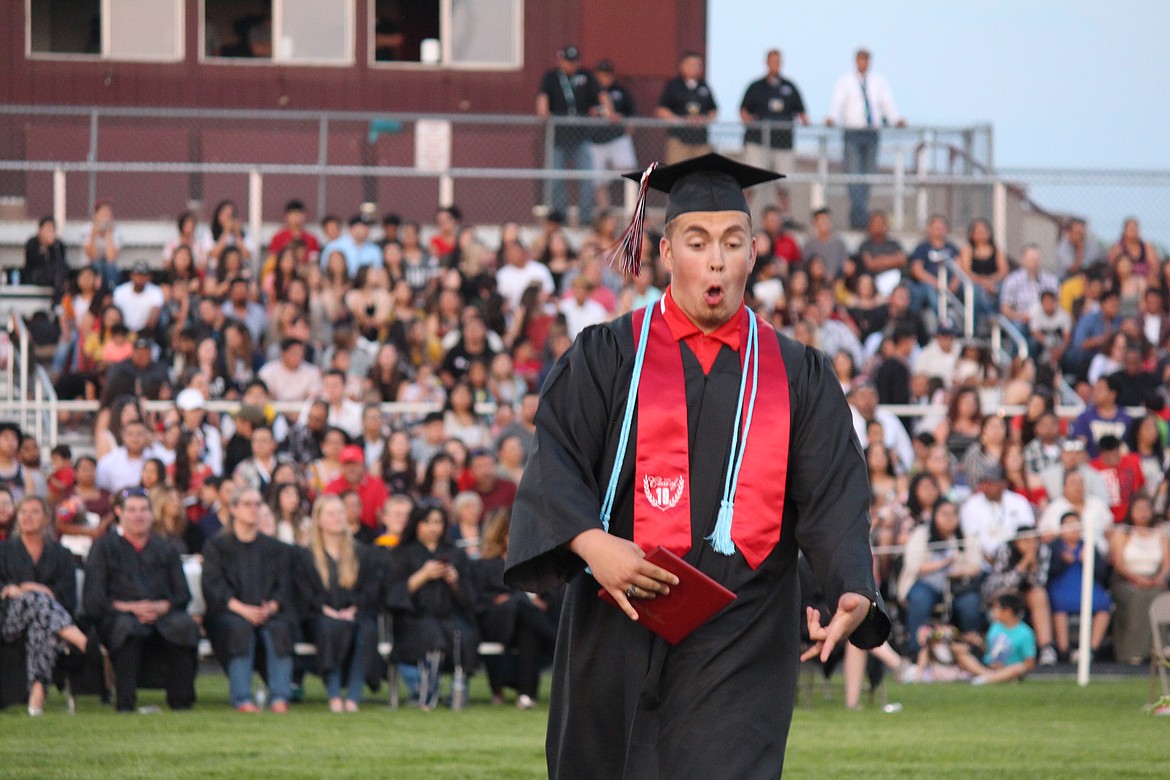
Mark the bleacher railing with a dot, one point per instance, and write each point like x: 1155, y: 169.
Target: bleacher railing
x: 63, y: 159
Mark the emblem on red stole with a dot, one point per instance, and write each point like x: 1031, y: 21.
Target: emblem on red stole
x: 663, y: 493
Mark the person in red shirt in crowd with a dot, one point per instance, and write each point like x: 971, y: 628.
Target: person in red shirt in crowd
x: 495, y: 491
x: 294, y: 228
x: 354, y: 477
x: 447, y: 220
x: 784, y: 243
x: 1122, y: 473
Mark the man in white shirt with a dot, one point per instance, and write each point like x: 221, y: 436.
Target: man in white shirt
x: 139, y: 300
x: 290, y: 378
x: 343, y: 413
x: 1020, y: 293
x: 121, y: 468
x: 1090, y: 508
x: 519, y: 272
x: 579, y: 309
x: 863, y: 402
x: 994, y: 514
x: 938, y: 358
x: 862, y: 103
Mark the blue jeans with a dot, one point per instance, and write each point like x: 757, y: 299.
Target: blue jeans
x: 279, y: 671
x: 580, y: 156
x: 355, y: 669
x: 923, y: 296
x: 921, y: 601
x: 861, y: 148
x: 66, y: 355
x: 108, y: 272
x: 411, y: 677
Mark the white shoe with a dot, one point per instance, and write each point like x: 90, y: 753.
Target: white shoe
x: 36, y: 712
x: 1047, y: 656
x: 525, y: 702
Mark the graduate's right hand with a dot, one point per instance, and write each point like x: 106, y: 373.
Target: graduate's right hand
x: 618, y: 563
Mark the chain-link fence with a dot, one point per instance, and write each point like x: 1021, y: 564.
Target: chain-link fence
x: 154, y: 164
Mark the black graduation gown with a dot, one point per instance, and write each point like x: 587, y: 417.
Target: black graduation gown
x: 253, y: 573
x: 497, y: 622
x: 55, y: 569
x: 334, y: 638
x: 115, y: 571
x: 428, y: 619
x: 625, y: 703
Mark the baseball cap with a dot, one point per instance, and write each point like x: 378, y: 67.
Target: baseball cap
x: 140, y: 267
x: 142, y: 342
x: 1073, y: 445
x: 569, y: 53
x: 432, y: 417
x: 189, y: 399
x: 605, y: 66
x: 252, y: 413
x: 947, y: 328
x: 352, y: 454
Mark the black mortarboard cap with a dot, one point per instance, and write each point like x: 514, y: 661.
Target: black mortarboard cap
x: 711, y: 182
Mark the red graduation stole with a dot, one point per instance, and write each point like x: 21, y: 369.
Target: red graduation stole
x: 662, y: 507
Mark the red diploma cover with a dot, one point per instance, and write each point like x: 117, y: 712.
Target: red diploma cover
x: 689, y: 604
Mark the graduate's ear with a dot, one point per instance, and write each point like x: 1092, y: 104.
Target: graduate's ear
x: 666, y: 252
x: 752, y: 255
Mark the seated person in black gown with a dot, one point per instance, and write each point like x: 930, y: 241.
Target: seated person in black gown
x: 344, y: 585
x: 136, y: 592
x: 38, y: 594
x: 433, y: 602
x: 525, y: 622
x: 246, y: 582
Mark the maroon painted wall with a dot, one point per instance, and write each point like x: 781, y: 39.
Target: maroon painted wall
x: 602, y: 28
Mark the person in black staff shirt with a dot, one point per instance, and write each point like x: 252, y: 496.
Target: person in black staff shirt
x: 776, y: 103
x: 136, y: 591
x: 570, y: 90
x: 687, y: 97
x: 613, y: 145
x: 44, y: 260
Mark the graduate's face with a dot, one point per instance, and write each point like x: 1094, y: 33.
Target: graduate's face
x: 709, y: 255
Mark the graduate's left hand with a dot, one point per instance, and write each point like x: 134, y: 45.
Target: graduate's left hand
x: 851, y: 611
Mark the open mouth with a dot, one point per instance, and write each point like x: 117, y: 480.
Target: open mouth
x: 713, y: 295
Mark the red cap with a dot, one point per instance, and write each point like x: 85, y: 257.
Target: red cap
x: 352, y: 454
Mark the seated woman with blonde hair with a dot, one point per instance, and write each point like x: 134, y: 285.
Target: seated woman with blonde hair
x: 344, y: 595
x: 37, y: 595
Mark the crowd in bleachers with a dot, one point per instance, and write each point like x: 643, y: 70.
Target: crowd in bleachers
x: 406, y: 513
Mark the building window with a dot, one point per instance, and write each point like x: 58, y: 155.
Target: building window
x: 305, y: 32
x: 146, y: 30
x: 454, y: 33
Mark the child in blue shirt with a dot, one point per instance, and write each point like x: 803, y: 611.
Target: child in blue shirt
x: 1010, y: 647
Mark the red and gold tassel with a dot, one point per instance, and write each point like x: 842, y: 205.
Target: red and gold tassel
x: 626, y: 253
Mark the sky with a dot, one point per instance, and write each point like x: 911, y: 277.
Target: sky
x: 1065, y: 84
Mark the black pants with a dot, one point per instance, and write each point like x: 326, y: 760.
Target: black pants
x: 176, y: 667
x: 535, y: 633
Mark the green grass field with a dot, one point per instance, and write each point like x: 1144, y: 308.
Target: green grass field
x: 1036, y: 729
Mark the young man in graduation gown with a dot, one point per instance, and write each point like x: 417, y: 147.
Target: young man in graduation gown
x: 136, y: 592
x: 731, y: 480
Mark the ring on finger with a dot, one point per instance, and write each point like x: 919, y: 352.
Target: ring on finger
x: 631, y: 591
